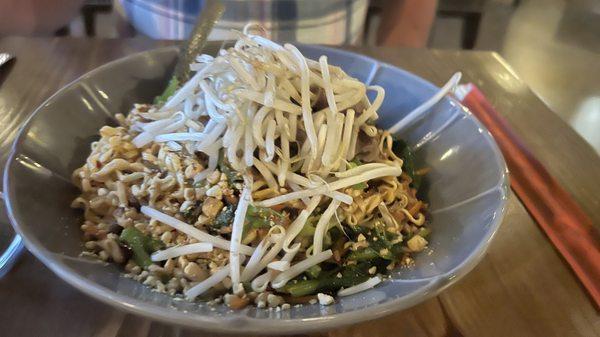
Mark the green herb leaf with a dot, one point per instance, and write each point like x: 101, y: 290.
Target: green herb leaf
x: 263, y: 217
x: 225, y: 217
x: 232, y: 175
x: 360, y: 186
x: 402, y: 150
x: 141, y: 245
x: 192, y: 213
x: 169, y: 91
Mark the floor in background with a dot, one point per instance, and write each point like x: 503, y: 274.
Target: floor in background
x: 554, y: 45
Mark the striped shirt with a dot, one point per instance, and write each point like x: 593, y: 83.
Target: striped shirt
x: 309, y: 21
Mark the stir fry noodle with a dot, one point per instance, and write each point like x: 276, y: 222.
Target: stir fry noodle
x: 262, y: 178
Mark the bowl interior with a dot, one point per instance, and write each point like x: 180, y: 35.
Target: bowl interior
x: 466, y: 188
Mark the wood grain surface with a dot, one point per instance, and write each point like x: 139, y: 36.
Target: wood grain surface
x: 521, y: 288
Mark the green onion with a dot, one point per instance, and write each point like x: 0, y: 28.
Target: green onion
x: 303, y: 288
x: 169, y: 91
x: 363, y: 254
x: 314, y: 271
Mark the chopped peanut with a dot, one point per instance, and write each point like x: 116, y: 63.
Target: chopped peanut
x: 417, y: 243
x: 211, y: 207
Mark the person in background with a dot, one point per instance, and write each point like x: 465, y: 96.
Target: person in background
x: 403, y: 22
x: 406, y: 23
x: 36, y: 17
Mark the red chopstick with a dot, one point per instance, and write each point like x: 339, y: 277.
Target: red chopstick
x: 565, y: 223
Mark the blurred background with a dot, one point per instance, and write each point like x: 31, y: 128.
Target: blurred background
x: 553, y: 45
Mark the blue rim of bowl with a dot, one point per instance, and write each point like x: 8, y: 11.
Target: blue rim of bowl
x: 247, y: 325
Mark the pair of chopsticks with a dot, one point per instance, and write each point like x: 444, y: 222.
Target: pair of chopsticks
x: 569, y: 228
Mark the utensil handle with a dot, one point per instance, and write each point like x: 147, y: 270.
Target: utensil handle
x: 565, y: 223
x: 209, y: 15
x: 11, y: 254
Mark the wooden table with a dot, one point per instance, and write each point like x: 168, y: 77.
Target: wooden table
x: 521, y: 288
